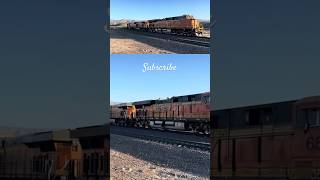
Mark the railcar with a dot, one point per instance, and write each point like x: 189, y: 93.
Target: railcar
x: 187, y: 113
x: 183, y: 25
x: 140, y: 25
x: 277, y: 140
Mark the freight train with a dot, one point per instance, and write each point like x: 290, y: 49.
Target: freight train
x: 182, y: 25
x: 76, y: 154
x: 275, y: 141
x: 186, y: 113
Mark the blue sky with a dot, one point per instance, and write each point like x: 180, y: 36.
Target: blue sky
x: 265, y: 51
x: 152, y: 9
x: 52, y: 68
x: 128, y: 83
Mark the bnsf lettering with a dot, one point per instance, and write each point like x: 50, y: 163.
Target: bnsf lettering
x: 313, y: 143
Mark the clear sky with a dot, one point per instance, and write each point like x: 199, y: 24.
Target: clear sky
x: 265, y: 51
x: 52, y: 63
x: 128, y: 83
x: 152, y: 9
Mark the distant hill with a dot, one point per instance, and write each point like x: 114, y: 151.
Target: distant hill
x: 114, y: 103
x: 121, y: 22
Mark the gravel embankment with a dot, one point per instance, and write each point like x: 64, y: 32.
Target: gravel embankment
x: 133, y: 158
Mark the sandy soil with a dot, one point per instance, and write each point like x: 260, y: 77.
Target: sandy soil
x: 129, y: 46
x: 124, y: 167
x: 122, y: 42
x: 133, y: 158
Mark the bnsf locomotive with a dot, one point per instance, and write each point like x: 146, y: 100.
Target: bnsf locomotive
x: 190, y: 112
x: 278, y: 140
x: 184, y: 25
x: 76, y: 154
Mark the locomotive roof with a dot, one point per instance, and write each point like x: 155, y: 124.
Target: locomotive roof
x: 100, y: 130
x: 124, y: 104
x: 60, y: 135
x: 170, y: 18
x: 305, y: 100
x: 180, y: 17
x: 146, y: 102
x: 255, y: 106
x: 154, y: 20
x: 309, y: 99
x: 192, y: 95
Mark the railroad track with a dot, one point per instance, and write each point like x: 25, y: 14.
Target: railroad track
x: 167, y: 137
x: 200, y: 41
x: 190, y: 41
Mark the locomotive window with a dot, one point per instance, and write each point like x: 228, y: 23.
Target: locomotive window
x: 253, y: 117
x: 267, y: 116
x: 198, y: 97
x: 313, y: 117
x: 192, y: 98
x: 185, y: 99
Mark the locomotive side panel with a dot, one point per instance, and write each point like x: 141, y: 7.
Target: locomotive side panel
x: 279, y: 140
x: 16, y: 161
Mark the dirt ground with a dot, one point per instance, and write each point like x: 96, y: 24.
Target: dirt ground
x: 122, y: 42
x: 132, y: 158
x: 124, y: 167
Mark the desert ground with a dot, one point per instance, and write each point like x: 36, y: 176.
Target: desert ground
x: 133, y: 158
x: 124, y: 42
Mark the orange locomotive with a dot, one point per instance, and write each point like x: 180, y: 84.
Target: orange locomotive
x: 278, y: 140
x: 81, y: 153
x: 185, y: 25
x: 190, y: 112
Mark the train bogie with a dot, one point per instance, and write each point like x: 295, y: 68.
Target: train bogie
x: 173, y: 125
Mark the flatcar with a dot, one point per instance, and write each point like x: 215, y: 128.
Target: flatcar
x: 277, y: 141
x: 186, y: 113
x: 182, y: 25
